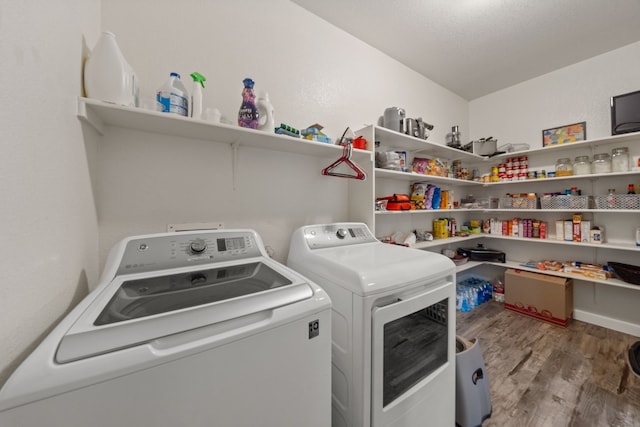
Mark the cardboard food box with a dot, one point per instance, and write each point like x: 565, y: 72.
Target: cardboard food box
x: 560, y: 230
x: 541, y: 296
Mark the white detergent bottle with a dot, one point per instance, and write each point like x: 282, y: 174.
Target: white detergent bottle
x: 266, y: 119
x: 195, y: 108
x: 107, y: 74
x: 173, y: 97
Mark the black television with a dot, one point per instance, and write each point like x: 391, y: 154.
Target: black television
x: 625, y: 113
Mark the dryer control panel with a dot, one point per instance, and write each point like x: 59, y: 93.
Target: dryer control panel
x: 174, y: 250
x: 338, y: 234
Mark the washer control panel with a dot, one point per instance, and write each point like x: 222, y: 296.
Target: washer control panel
x: 339, y: 234
x: 173, y: 250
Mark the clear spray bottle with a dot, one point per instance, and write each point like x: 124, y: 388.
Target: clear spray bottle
x: 196, y: 95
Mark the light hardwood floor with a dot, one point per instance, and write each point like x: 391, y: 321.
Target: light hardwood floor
x: 545, y: 375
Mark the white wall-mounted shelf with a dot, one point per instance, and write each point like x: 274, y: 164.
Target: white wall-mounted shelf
x: 100, y: 114
x: 593, y: 144
x: 399, y: 141
x: 411, y: 177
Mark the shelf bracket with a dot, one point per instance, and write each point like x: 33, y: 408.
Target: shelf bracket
x: 88, y: 116
x: 234, y: 163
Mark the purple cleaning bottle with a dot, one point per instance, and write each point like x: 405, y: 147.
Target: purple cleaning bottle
x: 248, y: 114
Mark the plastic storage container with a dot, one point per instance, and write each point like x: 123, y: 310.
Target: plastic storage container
x: 601, y: 163
x: 564, y: 167
x: 173, y: 97
x: 582, y: 165
x: 620, y: 159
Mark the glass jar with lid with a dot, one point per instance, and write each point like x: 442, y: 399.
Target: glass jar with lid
x: 564, y: 167
x: 601, y: 163
x: 582, y: 165
x: 620, y: 159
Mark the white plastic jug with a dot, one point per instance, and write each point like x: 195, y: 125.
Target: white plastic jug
x: 173, y: 96
x: 266, y: 119
x: 107, y: 74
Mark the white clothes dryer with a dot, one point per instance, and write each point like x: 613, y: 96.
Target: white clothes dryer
x: 195, y: 328
x: 393, y: 326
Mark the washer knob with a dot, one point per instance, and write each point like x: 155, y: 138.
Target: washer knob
x: 198, y: 246
x: 341, y: 233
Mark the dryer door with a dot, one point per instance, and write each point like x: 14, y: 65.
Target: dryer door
x: 412, y: 357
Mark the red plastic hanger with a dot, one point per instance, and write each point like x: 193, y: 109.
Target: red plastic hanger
x: 346, y: 159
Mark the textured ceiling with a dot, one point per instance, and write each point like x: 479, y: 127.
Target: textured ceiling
x: 476, y: 47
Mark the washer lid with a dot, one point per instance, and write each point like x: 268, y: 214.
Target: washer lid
x: 369, y: 268
x: 137, y: 308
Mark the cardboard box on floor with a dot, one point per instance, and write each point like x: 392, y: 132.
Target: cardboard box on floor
x: 541, y: 296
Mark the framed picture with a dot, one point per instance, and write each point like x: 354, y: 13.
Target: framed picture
x: 564, y: 134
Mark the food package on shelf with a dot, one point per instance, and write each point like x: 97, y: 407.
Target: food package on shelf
x: 594, y: 271
x: 397, y: 202
x: 389, y: 160
x: 425, y: 166
x: 419, y: 193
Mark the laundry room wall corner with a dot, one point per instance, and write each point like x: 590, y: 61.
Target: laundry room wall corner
x: 48, y: 217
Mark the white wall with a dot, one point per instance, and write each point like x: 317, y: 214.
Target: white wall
x: 47, y: 216
x: 579, y: 92
x: 313, y: 73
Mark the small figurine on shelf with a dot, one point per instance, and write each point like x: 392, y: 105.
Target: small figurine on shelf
x: 248, y: 114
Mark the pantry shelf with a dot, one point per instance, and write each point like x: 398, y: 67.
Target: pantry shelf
x: 399, y: 141
x: 411, y: 176
x: 592, y: 177
x: 593, y: 144
x: 449, y: 240
x: 101, y: 114
x: 620, y: 246
x: 620, y: 211
x: 468, y: 266
x: 425, y: 211
x: 609, y: 282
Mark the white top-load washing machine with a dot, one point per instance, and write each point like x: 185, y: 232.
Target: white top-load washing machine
x: 184, y: 329
x: 393, y: 326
